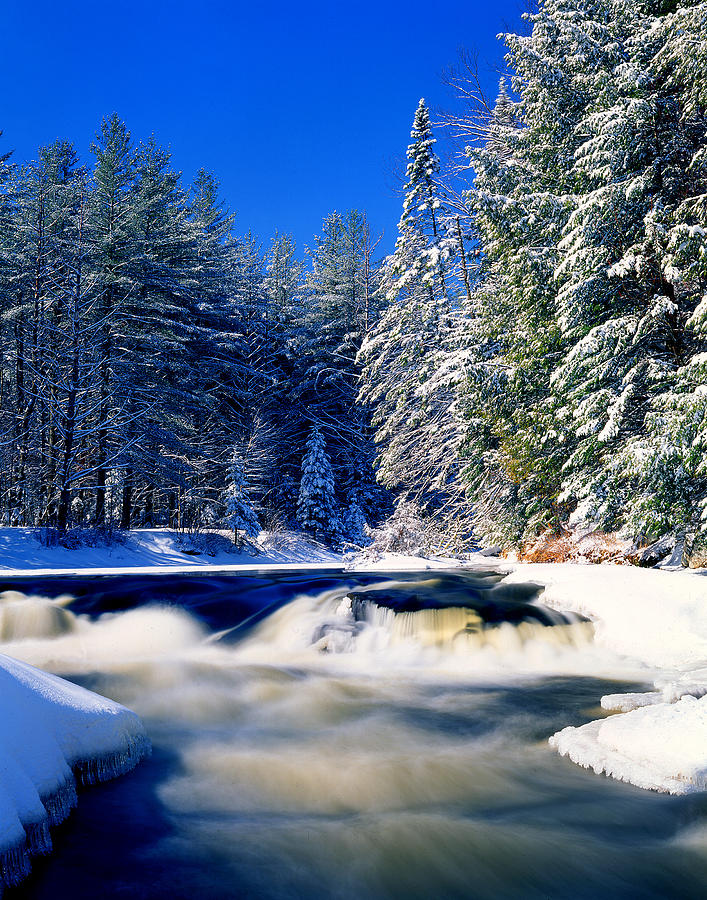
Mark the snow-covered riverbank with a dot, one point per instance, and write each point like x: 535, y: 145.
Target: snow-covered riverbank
x: 659, y: 618
x: 23, y: 551
x: 54, y: 735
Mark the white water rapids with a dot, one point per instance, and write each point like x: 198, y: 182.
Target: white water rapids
x: 346, y: 750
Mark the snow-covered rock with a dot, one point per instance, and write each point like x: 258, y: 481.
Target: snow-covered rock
x: 54, y: 735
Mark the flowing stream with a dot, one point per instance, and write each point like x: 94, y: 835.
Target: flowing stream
x: 327, y: 734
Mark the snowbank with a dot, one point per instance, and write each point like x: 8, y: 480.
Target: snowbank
x: 401, y: 562
x: 659, y: 741
x: 657, y: 617
x: 21, y: 552
x: 661, y: 747
x: 54, y: 735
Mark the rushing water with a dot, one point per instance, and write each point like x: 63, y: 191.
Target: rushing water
x: 331, y: 735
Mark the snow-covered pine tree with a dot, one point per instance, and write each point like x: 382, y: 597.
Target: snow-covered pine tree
x: 42, y: 265
x: 8, y: 242
x: 416, y: 429
x: 418, y: 264
x: 208, y: 373
x: 264, y: 368
x: 624, y: 298
x: 326, y: 327
x: 486, y: 396
x: 522, y: 199
x: 283, y: 280
x: 668, y: 462
x: 156, y: 324
x: 240, y: 513
x: 243, y: 327
x: 73, y: 358
x: 317, y: 509
x: 112, y: 228
x: 353, y: 523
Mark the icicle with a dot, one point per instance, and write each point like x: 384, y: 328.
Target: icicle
x: 103, y: 768
x: 39, y: 838
x: 15, y: 866
x: 15, y: 862
x: 60, y: 802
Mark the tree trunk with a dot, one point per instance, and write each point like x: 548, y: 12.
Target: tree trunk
x: 462, y: 257
x: 127, y: 504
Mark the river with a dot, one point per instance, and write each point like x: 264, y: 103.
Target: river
x: 334, y: 735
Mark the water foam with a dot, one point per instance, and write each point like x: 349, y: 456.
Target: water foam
x: 23, y: 617
x: 330, y: 631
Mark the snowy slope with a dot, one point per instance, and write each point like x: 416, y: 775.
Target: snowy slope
x: 54, y: 734
x: 400, y: 562
x: 22, y: 551
x: 659, y: 739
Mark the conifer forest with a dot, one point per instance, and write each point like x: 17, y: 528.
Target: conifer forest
x: 530, y: 359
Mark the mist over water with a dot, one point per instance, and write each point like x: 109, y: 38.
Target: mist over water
x: 381, y: 737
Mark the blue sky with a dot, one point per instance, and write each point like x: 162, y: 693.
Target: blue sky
x: 298, y: 109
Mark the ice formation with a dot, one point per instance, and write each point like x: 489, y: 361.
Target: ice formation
x: 55, y: 735
x: 662, y: 747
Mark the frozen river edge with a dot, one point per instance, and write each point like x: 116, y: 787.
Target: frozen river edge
x: 55, y: 737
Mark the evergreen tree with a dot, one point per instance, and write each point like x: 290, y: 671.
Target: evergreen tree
x: 40, y: 274
x: 353, y: 523
x: 329, y: 333
x: 316, y: 504
x: 622, y: 303
x: 315, y: 369
x: 521, y: 200
x: 112, y: 229
x: 583, y: 400
x: 413, y: 408
x: 240, y: 514
x: 422, y: 246
x: 156, y: 327
x: 283, y: 281
x: 669, y: 465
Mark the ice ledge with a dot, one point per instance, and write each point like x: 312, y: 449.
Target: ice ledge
x: 55, y: 736
x: 660, y: 747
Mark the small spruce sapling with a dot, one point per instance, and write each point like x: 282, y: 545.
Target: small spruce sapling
x: 240, y: 513
x: 354, y: 524
x: 316, y: 504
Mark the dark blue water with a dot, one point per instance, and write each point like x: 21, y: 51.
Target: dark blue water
x: 230, y: 600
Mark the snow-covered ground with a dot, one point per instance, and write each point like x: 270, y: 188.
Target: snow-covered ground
x: 53, y: 734
x: 21, y: 550
x: 401, y: 562
x: 657, y: 740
